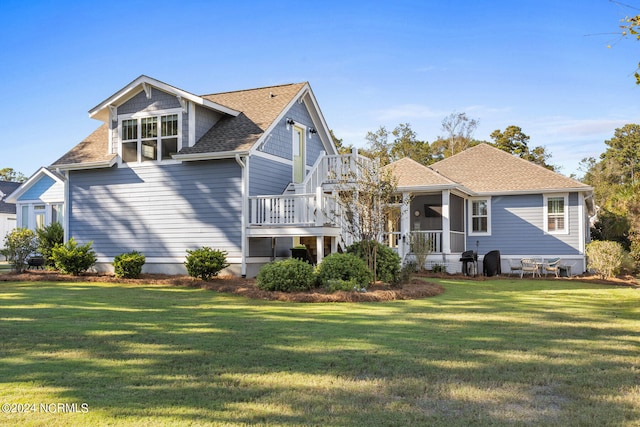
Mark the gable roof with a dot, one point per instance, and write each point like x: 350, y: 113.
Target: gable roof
x: 485, y: 169
x: 248, y: 115
x: 259, y: 110
x: 93, y: 151
x: 411, y: 174
x: 33, y: 179
x: 6, y: 188
x: 101, y: 111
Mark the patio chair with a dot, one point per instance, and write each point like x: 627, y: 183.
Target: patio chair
x: 515, y: 265
x: 529, y: 266
x: 552, y: 266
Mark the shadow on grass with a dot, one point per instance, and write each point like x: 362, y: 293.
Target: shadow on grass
x: 490, y: 352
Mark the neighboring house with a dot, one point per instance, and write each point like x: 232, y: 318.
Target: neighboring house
x: 485, y: 199
x: 39, y: 201
x: 7, y: 209
x: 169, y: 171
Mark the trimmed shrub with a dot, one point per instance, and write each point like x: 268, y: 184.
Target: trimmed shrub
x: 128, y: 265
x: 48, y: 238
x: 387, y: 260
x: 205, y: 263
x: 605, y: 257
x: 20, y: 243
x: 288, y: 275
x: 71, y: 258
x: 345, y: 267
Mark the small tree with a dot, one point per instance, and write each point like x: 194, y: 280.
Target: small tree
x: 19, y: 244
x: 205, y: 263
x: 366, y: 193
x: 421, y: 246
x: 605, y: 257
x: 48, y: 238
x: 128, y: 265
x: 72, y: 258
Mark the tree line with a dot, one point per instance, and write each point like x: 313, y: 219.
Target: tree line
x: 457, y: 135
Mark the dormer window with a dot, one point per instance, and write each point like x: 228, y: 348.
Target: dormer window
x: 150, y: 137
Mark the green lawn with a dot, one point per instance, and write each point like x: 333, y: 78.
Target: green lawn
x: 502, y: 352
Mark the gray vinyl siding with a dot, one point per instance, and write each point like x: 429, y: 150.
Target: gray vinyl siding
x: 517, y: 228
x: 205, y: 119
x: 159, y: 210
x: 159, y: 101
x: 268, y: 176
x: 280, y: 141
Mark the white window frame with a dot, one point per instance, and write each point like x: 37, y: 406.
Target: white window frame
x: 545, y: 210
x: 470, y: 218
x: 146, y: 114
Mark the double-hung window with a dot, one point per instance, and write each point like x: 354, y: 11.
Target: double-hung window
x: 149, y: 138
x: 556, y: 213
x: 480, y: 216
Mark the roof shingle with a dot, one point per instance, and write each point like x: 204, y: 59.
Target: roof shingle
x: 486, y: 169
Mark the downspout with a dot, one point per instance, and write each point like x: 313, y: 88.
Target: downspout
x: 243, y: 217
x: 66, y: 206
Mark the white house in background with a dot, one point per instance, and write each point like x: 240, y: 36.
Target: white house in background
x: 7, y: 209
x: 39, y: 201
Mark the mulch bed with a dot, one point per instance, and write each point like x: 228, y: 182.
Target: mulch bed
x: 246, y: 287
x: 416, y: 289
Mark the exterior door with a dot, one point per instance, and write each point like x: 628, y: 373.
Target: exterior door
x: 299, y: 166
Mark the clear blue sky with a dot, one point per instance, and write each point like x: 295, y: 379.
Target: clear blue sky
x: 542, y: 65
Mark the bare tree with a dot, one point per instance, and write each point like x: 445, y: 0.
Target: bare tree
x: 459, y: 131
x: 366, y: 194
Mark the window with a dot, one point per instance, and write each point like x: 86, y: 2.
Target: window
x: 39, y: 213
x: 556, y: 214
x: 57, y: 213
x: 149, y: 138
x: 480, y: 218
x: 24, y: 218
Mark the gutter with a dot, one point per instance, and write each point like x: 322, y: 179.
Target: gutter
x: 243, y: 216
x: 210, y: 156
x: 88, y: 165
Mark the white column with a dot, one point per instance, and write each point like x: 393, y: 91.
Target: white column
x: 446, y: 225
x: 405, y: 225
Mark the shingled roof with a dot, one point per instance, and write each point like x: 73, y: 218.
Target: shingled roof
x: 6, y: 188
x: 93, y: 149
x: 485, y: 169
x: 411, y: 174
x: 259, y: 108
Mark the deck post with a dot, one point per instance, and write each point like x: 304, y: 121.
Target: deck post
x: 319, y: 249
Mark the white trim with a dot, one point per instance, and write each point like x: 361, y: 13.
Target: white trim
x: 136, y: 86
x: 581, y: 223
x: 192, y: 157
x: 273, y: 157
x: 139, y: 115
x: 25, y: 186
x: 164, y: 260
x: 295, y: 145
x: 90, y: 165
x: 470, y: 217
x: 533, y: 191
x: 545, y: 213
x: 192, y: 124
x: 323, y: 125
x: 278, y: 119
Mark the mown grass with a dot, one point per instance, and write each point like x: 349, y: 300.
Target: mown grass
x: 501, y: 352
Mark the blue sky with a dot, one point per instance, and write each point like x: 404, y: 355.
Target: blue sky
x: 542, y: 65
